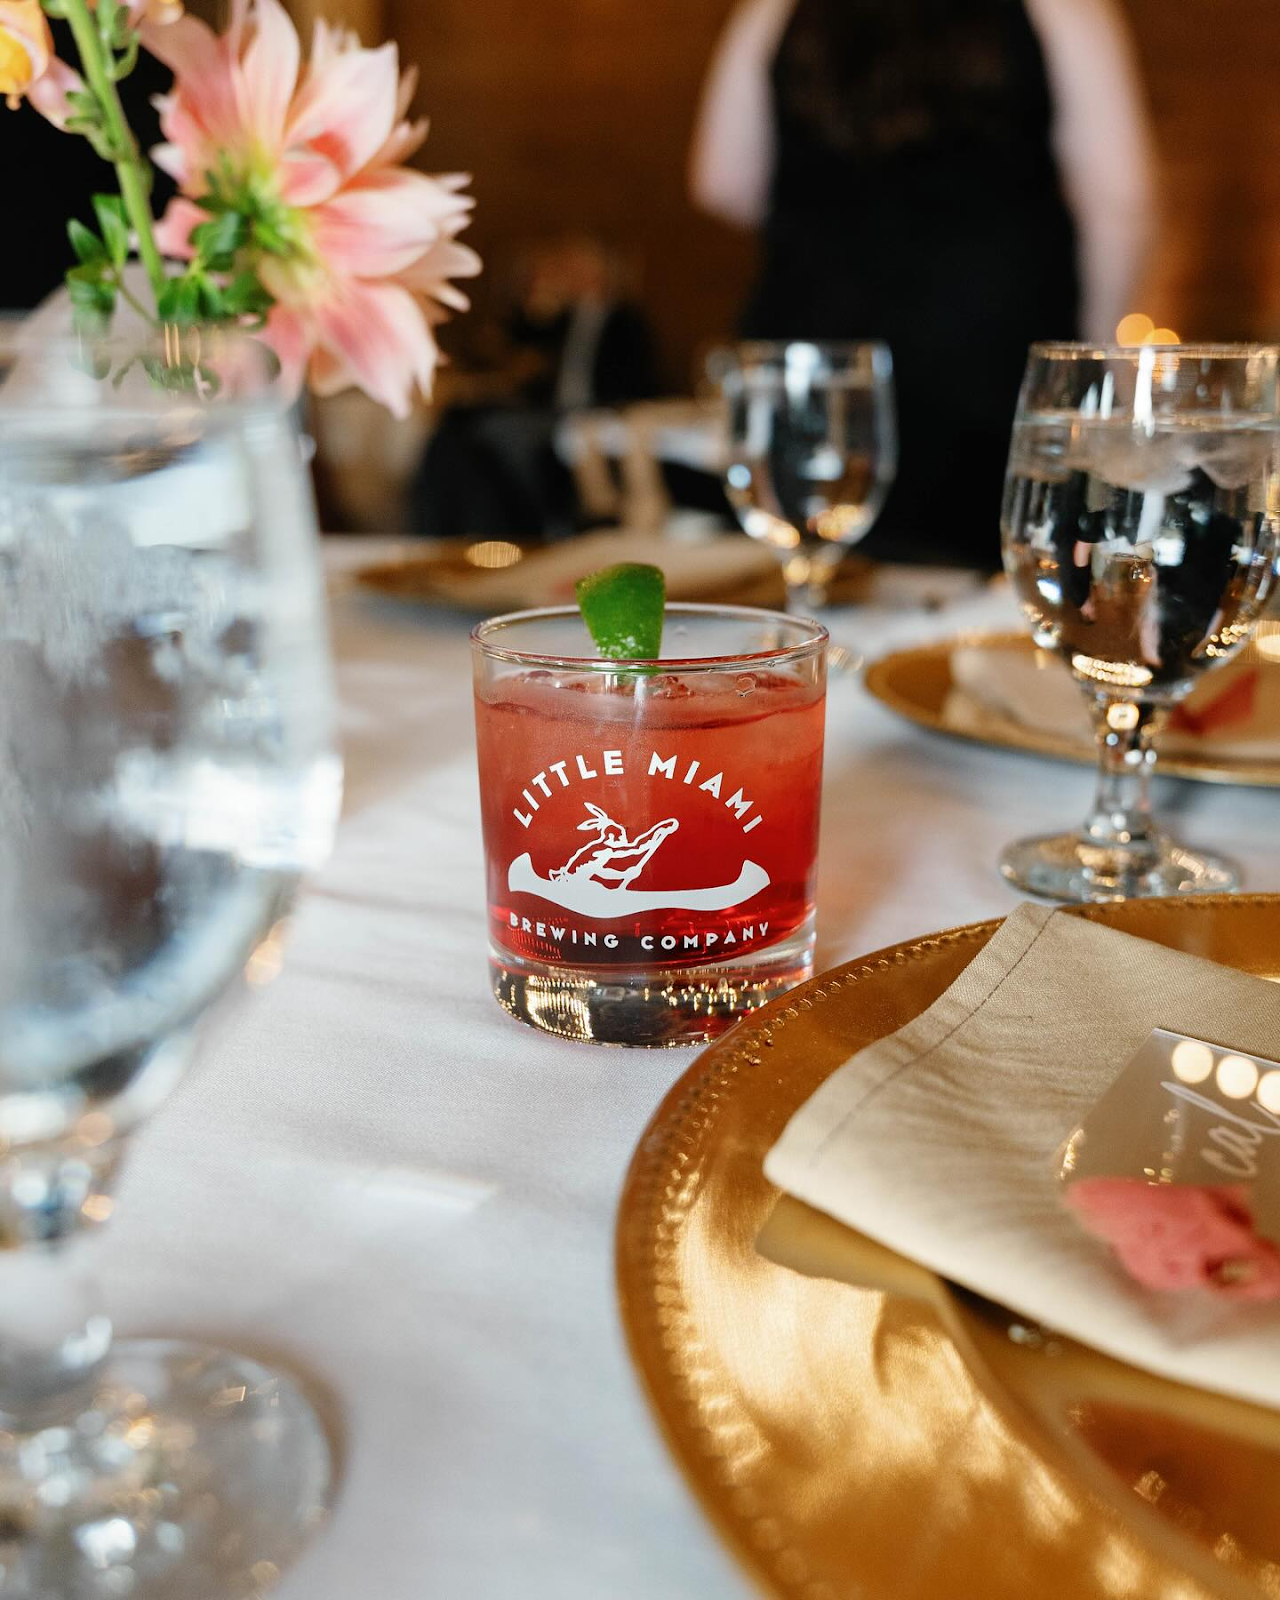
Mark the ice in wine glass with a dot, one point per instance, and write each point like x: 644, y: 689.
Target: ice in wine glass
x: 1141, y: 534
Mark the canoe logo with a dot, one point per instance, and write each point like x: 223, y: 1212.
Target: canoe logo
x: 596, y: 881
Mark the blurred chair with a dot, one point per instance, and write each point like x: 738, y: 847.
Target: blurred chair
x: 573, y: 339
x: 621, y: 459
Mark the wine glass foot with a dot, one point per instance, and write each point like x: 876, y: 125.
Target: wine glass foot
x: 193, y: 1474
x: 1070, y: 868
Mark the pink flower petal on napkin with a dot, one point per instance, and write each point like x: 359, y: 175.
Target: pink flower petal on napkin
x: 1180, y: 1236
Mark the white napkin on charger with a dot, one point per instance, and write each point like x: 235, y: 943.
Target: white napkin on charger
x: 992, y: 686
x: 940, y: 1140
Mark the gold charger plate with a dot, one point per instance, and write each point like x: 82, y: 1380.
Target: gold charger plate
x: 490, y: 576
x: 915, y: 683
x: 894, y: 1440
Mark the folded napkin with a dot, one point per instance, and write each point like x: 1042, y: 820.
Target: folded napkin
x: 695, y: 571
x: 1233, y: 712
x: 940, y: 1140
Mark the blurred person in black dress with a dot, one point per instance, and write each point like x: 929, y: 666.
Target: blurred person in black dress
x: 957, y: 177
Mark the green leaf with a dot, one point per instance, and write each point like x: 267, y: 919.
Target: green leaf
x: 622, y: 607
x: 188, y: 300
x: 182, y: 300
x: 108, y: 11
x: 218, y: 239
x: 91, y: 295
x: 210, y: 300
x: 112, y: 219
x: 176, y: 377
x: 244, y: 296
x: 88, y: 247
x: 270, y: 239
x: 167, y: 300
x: 127, y: 60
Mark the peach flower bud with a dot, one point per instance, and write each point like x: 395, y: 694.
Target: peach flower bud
x: 26, y: 48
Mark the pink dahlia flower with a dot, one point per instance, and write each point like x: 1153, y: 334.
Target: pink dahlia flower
x: 356, y: 249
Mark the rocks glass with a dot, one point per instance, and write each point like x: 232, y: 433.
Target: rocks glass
x: 651, y: 828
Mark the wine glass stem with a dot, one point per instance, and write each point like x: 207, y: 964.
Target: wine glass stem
x: 808, y: 573
x: 54, y: 1334
x: 1121, y: 815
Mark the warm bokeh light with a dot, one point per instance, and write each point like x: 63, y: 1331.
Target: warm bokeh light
x: 494, y: 553
x: 1120, y: 674
x: 1134, y: 329
x: 1237, y: 1077
x: 1192, y: 1061
x: 1163, y: 336
x: 1267, y: 641
x: 1122, y: 715
x: 1269, y: 1092
x: 263, y: 966
x: 95, y: 1128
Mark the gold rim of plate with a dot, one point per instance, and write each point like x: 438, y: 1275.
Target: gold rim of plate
x: 915, y: 683
x: 884, y: 1435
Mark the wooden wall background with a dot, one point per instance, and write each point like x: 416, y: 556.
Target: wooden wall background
x: 577, y: 113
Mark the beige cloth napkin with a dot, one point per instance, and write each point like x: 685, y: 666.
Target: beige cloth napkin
x: 940, y: 1140
x: 703, y: 570
x: 993, y: 686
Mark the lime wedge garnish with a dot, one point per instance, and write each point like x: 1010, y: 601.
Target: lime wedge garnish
x: 622, y: 608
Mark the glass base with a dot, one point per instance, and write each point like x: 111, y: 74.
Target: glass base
x: 1067, y: 867
x: 654, y: 1010
x: 192, y: 1474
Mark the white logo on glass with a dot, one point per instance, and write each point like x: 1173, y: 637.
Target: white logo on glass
x: 596, y: 880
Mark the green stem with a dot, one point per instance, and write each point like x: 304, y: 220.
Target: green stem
x: 127, y: 294
x: 132, y: 171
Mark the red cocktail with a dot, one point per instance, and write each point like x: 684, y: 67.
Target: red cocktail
x: 650, y: 830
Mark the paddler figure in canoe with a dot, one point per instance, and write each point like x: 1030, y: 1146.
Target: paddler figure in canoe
x: 613, y: 859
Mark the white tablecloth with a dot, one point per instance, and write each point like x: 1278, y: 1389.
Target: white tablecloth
x: 378, y: 1179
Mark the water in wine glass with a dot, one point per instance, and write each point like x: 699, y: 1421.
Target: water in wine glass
x: 165, y: 770
x: 797, y: 492
x: 1143, y: 555
x: 812, y: 451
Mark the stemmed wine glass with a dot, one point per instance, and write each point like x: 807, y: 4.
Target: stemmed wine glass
x: 166, y: 772
x: 812, y: 451
x: 1141, y: 532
